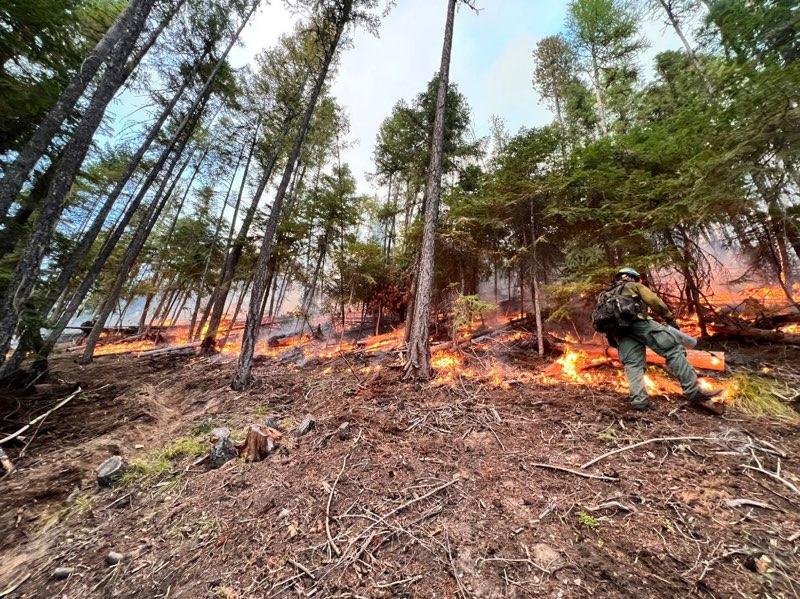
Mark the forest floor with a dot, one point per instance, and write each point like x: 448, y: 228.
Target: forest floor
x: 436, y: 492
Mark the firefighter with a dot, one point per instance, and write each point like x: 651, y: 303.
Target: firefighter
x: 646, y: 332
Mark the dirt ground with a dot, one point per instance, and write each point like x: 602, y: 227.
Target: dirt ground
x: 438, y: 491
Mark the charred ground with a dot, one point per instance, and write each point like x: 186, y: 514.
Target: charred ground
x: 435, y: 493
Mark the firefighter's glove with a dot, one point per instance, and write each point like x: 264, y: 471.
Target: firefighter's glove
x: 612, y: 341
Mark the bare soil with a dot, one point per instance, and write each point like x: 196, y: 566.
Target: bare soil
x: 436, y: 494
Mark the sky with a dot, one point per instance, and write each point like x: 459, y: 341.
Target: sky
x: 491, y: 62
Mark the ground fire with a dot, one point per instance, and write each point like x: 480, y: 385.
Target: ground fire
x: 291, y: 308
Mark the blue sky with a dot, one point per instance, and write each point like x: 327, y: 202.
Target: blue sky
x: 491, y: 62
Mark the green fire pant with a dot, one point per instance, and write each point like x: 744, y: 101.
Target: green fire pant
x: 648, y: 333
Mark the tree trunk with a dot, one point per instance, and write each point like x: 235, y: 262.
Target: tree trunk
x: 16, y: 173
x: 418, y: 357
x: 113, y: 239
x: 686, y: 45
x: 234, y: 254
x: 250, y: 333
x: 537, y: 308
x: 598, y: 94
x: 25, y: 276
x: 136, y: 244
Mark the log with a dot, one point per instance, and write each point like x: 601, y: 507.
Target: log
x: 707, y: 360
x: 777, y: 320
x: 259, y: 443
x: 754, y: 334
x: 188, y: 349
x: 111, y: 472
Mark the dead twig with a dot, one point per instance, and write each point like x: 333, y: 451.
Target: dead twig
x: 15, y: 586
x: 641, y: 443
x: 575, y: 472
x: 39, y: 418
x: 333, y: 545
x: 749, y: 502
x: 776, y: 477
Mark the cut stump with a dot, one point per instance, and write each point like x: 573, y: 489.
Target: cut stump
x: 111, y: 471
x: 223, y: 449
x: 259, y: 443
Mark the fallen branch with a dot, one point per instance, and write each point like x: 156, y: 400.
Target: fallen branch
x: 753, y: 334
x: 707, y: 360
x: 399, y: 508
x: 639, y: 444
x: 749, y: 502
x: 336, y: 549
x: 576, y: 472
x: 40, y: 417
x: 189, y: 348
x: 776, y: 477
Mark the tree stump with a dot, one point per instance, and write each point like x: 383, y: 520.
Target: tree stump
x: 111, y: 471
x: 223, y: 449
x: 259, y: 443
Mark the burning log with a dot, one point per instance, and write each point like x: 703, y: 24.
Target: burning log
x: 259, y: 443
x: 778, y: 320
x: 753, y: 334
x: 188, y: 349
x: 706, y: 360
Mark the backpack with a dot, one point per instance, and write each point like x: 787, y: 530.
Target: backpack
x: 615, y: 311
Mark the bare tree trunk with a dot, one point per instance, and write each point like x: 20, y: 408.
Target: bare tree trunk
x: 24, y: 279
x: 418, y: 357
x: 17, y: 172
x: 114, y: 237
x: 250, y: 333
x: 132, y: 251
x: 597, y: 80
x: 235, y: 313
x: 217, y: 229
x: 537, y: 309
x: 234, y: 250
x: 666, y: 5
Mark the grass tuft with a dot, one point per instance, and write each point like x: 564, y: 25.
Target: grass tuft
x: 755, y: 395
x: 159, y: 463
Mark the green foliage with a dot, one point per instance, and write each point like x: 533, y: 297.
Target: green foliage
x: 466, y: 308
x: 588, y: 521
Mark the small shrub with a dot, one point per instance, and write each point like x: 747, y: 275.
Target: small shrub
x: 588, y: 521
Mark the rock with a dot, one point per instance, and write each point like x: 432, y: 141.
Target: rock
x: 113, y: 558
x: 344, y: 431
x: 111, y: 471
x: 547, y: 557
x: 306, y: 425
x: 273, y: 422
x: 63, y: 573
